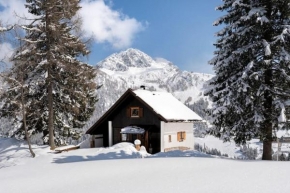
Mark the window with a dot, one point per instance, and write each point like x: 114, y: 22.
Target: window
x: 135, y: 112
x: 169, y: 138
x: 181, y: 136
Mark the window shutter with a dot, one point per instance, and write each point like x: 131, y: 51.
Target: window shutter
x: 178, y: 136
x: 184, y: 135
x: 140, y: 112
x: 128, y: 112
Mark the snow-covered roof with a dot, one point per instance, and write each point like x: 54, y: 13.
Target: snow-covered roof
x: 166, y: 105
x: 132, y: 130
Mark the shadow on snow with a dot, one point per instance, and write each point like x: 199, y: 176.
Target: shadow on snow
x: 123, y: 155
x: 100, y: 156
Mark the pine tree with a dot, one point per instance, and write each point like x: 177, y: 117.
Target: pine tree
x: 62, y: 89
x: 251, y: 63
x: 3, y: 66
x: 14, y: 98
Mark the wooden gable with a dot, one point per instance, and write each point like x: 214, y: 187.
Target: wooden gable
x: 120, y: 115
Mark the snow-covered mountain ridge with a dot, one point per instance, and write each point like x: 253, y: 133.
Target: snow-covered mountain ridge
x: 133, y: 68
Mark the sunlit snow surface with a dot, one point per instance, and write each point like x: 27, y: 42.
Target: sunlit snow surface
x: 167, y: 106
x: 120, y: 169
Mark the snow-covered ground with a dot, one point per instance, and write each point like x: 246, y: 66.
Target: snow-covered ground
x: 122, y: 169
x: 14, y: 152
x: 233, y: 150
x: 229, y: 148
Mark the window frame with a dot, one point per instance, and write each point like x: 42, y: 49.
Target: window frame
x: 131, y: 111
x: 182, y: 136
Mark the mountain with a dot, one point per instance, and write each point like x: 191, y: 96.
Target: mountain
x: 133, y: 68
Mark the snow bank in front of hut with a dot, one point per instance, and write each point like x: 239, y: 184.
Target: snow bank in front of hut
x: 123, y: 145
x: 113, y: 170
x: 178, y: 153
x: 15, y: 153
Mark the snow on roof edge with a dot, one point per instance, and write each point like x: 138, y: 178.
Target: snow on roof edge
x: 166, y: 105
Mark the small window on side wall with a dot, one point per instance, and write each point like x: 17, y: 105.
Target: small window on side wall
x: 181, y: 136
x: 169, y: 138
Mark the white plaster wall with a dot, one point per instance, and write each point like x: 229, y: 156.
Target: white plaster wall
x: 172, y: 129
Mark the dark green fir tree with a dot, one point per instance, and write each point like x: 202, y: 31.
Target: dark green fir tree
x: 62, y: 91
x: 251, y: 88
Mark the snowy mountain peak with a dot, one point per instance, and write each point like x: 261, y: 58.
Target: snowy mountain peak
x: 133, y: 68
x: 126, y: 59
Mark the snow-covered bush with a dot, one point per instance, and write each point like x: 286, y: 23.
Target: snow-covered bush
x: 5, y: 126
x: 199, y: 129
x: 209, y: 151
x: 282, y: 157
x: 248, y: 152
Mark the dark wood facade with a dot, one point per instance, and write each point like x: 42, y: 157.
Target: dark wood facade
x: 118, y: 114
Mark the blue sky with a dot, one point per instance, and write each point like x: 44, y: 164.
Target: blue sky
x: 180, y: 31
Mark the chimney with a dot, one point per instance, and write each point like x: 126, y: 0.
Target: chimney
x: 142, y: 87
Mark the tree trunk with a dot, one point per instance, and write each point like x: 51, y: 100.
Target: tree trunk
x: 267, y: 142
x: 50, y: 84
x: 50, y: 115
x: 24, y: 117
x: 268, y: 126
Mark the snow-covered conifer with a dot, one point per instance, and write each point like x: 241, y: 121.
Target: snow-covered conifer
x: 14, y: 99
x: 251, y: 87
x: 61, y: 87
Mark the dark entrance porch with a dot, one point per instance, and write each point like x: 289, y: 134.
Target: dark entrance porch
x: 150, y: 138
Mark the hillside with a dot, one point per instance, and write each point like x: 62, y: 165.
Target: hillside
x: 133, y: 68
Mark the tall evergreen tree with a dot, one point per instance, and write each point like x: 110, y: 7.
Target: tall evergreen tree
x: 62, y: 88
x: 15, y: 99
x: 251, y: 87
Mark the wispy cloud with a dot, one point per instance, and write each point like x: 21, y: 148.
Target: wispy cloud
x: 108, y: 25
x: 99, y: 19
x: 9, y: 10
